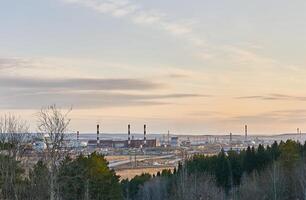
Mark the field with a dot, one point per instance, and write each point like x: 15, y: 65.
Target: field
x: 126, y: 171
x: 130, y: 173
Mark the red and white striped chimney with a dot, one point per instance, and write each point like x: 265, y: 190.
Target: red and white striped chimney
x: 98, y: 132
x: 129, y: 135
x: 144, y: 135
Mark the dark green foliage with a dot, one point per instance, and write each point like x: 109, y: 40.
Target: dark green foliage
x: 261, y: 158
x: 229, y: 167
x: 6, y: 146
x: 132, y: 187
x: 249, y: 160
x: 88, y: 177
x: 272, y: 172
x: 39, y: 181
x: 166, y: 173
x: 222, y: 171
x: 275, y: 172
x: 174, y: 171
x: 275, y: 151
x: 235, y: 167
x: 290, y: 153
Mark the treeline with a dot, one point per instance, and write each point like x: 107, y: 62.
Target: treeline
x: 86, y: 177
x: 229, y: 167
x: 55, y: 176
x: 276, y: 172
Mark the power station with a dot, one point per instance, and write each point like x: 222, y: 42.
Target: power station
x: 129, y: 143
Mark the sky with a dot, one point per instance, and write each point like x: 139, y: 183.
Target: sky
x: 191, y: 67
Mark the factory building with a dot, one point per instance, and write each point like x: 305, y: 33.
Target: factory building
x: 174, y: 141
x: 140, y: 143
x: 135, y: 143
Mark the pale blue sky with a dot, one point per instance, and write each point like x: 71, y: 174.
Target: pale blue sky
x: 199, y: 66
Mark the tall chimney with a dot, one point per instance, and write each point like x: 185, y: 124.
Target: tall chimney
x: 98, y: 132
x: 231, y: 139
x: 168, y: 138
x: 129, y: 135
x: 78, y: 134
x: 246, y: 132
x: 144, y: 135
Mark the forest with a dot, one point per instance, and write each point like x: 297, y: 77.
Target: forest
x: 276, y: 172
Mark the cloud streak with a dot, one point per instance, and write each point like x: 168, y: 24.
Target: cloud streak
x: 135, y: 13
x: 278, y: 116
x: 274, y: 97
x: 13, y: 63
x: 88, y: 99
x: 31, y: 93
x: 77, y: 84
x: 138, y: 15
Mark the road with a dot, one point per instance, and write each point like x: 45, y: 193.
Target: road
x: 114, y: 164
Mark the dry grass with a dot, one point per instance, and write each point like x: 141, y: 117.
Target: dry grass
x: 131, y: 173
x: 116, y: 158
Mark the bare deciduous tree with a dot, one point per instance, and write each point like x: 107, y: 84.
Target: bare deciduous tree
x: 53, y: 125
x: 155, y: 189
x: 190, y: 187
x: 197, y: 186
x: 13, y: 139
x: 269, y: 184
x: 13, y: 134
x: 300, y: 178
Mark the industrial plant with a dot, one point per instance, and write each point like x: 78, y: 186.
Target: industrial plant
x: 133, y: 153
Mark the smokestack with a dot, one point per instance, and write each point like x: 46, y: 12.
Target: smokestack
x: 246, y: 132
x: 144, y: 135
x: 231, y: 135
x: 129, y: 135
x: 78, y: 134
x: 298, y: 130
x: 98, y: 132
x: 168, y: 138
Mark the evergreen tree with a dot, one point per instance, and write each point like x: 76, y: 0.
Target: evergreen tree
x: 222, y: 171
x: 261, y: 158
x: 132, y: 187
x: 88, y: 178
x: 39, y: 181
x: 235, y: 165
x: 249, y: 161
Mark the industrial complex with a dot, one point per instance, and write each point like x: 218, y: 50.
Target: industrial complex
x: 131, y: 154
